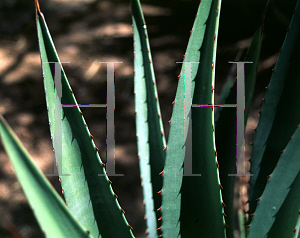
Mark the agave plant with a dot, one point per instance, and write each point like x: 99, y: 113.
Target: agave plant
x: 183, y: 198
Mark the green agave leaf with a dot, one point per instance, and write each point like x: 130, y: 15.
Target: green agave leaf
x: 192, y: 205
x: 149, y: 128
x: 278, y: 209
x: 297, y: 228
x: 242, y: 224
x: 50, y: 210
x: 89, y: 196
x: 226, y: 127
x: 280, y: 113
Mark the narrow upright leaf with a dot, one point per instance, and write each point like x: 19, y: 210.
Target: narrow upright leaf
x: 87, y: 190
x: 277, y: 212
x: 149, y: 129
x: 192, y: 205
x: 280, y: 113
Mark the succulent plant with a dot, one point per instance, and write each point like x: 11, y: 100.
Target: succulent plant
x: 187, y: 189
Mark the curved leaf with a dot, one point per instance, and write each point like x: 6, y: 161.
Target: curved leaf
x: 50, y: 210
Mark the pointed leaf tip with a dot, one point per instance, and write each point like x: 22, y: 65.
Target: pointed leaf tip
x: 37, y: 6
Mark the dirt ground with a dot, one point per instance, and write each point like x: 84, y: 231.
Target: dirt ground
x: 87, y: 31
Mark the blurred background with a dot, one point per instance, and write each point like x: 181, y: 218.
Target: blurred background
x: 87, y: 31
